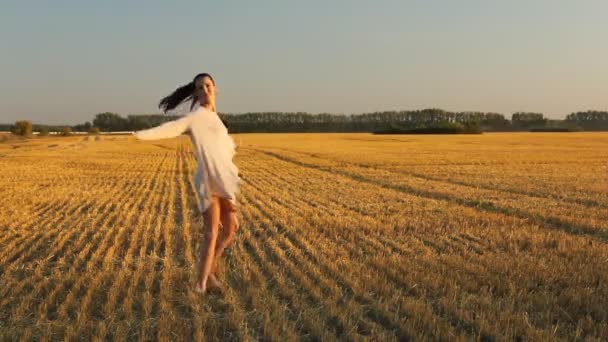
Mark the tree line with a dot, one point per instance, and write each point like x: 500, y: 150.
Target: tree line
x: 591, y: 120
x: 326, y: 122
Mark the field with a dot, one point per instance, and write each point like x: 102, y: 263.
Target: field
x: 343, y: 236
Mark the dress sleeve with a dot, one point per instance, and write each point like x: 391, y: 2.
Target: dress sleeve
x: 167, y: 130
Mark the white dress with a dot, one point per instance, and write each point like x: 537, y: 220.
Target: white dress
x: 215, y: 173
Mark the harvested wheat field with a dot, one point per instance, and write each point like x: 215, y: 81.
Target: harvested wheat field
x: 343, y: 236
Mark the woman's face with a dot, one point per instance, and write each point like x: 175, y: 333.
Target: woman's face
x: 204, y: 89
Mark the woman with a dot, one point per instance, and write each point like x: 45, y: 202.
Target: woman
x: 216, y: 177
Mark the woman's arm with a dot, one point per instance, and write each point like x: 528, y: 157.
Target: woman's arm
x: 167, y: 130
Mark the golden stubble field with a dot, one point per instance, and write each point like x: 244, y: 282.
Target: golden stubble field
x: 343, y: 236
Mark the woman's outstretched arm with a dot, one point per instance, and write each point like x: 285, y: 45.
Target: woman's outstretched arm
x: 167, y: 130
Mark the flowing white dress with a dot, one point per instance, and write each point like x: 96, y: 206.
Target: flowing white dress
x: 215, y: 173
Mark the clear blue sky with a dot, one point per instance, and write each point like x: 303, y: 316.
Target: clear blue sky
x: 65, y: 61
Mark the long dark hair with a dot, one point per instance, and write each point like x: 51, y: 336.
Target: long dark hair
x: 181, y: 94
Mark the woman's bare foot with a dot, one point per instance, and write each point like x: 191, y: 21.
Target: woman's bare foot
x: 214, y: 284
x: 200, y: 289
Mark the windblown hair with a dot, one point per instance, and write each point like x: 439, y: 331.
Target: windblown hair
x: 181, y: 94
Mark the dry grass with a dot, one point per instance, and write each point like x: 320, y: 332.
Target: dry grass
x: 343, y: 236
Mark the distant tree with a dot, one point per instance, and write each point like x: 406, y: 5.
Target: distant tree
x: 527, y: 117
x: 23, y: 128
x: 588, y: 116
x: 494, y: 121
x: 591, y: 120
x: 137, y: 122
x: 67, y: 131
x: 528, y: 120
x: 82, y: 127
x: 43, y: 131
x: 110, y: 122
x: 94, y: 130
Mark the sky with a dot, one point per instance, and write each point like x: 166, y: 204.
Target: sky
x: 62, y: 62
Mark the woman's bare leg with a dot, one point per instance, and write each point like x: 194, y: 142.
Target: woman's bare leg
x: 230, y: 224
x: 208, y: 247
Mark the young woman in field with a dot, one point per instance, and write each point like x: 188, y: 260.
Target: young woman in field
x: 216, y: 177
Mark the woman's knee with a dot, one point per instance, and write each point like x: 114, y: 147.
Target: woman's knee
x: 211, y: 233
